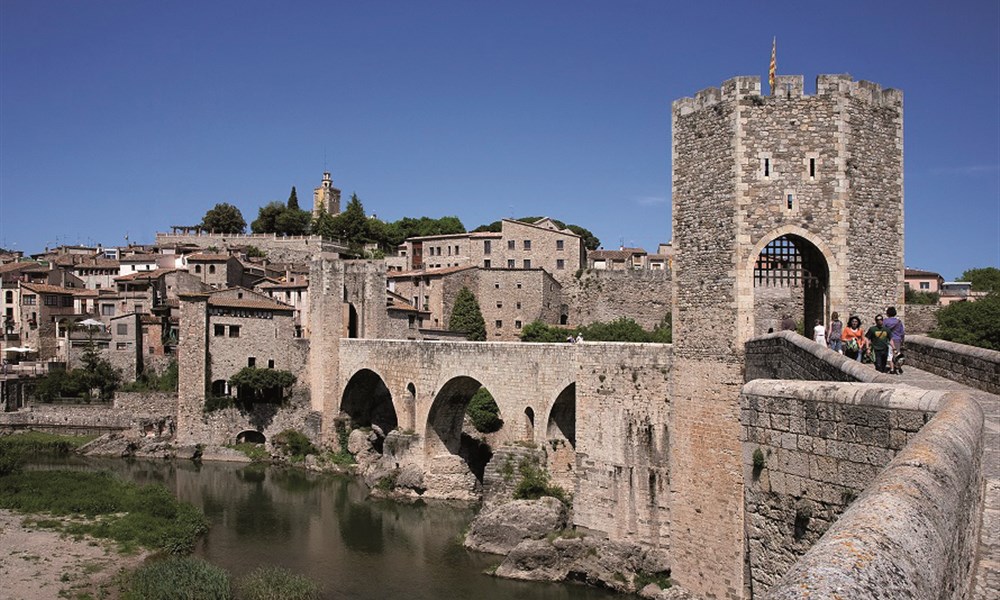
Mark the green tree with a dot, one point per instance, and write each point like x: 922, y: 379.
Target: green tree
x: 985, y: 279
x: 224, y: 218
x: 917, y: 297
x: 293, y: 200
x: 261, y: 385
x: 466, y: 317
x: 484, y: 412
x: 97, y: 373
x: 292, y: 222
x: 267, y: 218
x: 350, y: 227
x: 973, y: 323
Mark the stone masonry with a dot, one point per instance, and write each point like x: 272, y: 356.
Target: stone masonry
x: 748, y: 169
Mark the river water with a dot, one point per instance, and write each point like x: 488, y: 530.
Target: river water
x: 326, y: 528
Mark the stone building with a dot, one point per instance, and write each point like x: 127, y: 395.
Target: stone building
x: 434, y: 290
x: 518, y: 245
x: 512, y: 298
x: 326, y: 198
x: 215, y: 270
x: 776, y: 201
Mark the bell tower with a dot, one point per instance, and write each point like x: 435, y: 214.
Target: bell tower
x: 326, y: 197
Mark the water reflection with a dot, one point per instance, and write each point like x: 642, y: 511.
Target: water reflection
x: 326, y: 528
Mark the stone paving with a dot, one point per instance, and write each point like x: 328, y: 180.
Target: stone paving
x: 987, y: 581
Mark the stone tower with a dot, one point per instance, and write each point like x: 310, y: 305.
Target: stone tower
x: 782, y: 204
x: 326, y: 197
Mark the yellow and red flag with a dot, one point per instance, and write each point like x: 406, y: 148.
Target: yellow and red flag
x: 771, y: 72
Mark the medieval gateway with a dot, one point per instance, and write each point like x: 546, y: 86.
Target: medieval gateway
x: 729, y: 453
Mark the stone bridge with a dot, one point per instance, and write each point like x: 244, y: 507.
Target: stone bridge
x: 599, y: 409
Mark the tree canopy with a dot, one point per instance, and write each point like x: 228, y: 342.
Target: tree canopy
x: 985, y: 279
x: 224, y: 218
x: 278, y: 218
x: 619, y: 330
x: 293, y: 200
x: 399, y: 231
x: 973, y: 323
x: 590, y: 241
x: 466, y: 317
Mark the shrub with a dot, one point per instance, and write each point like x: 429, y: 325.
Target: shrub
x: 150, y: 381
x: 274, y: 583
x: 535, y: 483
x: 261, y: 385
x: 177, y: 578
x: 484, y: 412
x: 973, y: 323
x: 294, y: 443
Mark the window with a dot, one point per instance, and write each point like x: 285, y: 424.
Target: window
x: 67, y: 301
x: 121, y: 346
x: 251, y: 361
x: 499, y: 304
x: 496, y: 285
x: 234, y: 331
x: 50, y: 300
x: 812, y: 167
x: 138, y: 308
x: 197, y: 268
x: 517, y: 305
x: 108, y: 310
x: 456, y: 250
x: 499, y: 324
x: 220, y: 330
x: 487, y: 246
x: 527, y: 263
x: 527, y: 244
x: 270, y: 363
x: 790, y: 201
x: 925, y: 285
x: 559, y: 244
x: 510, y: 244
x: 518, y: 285
x: 510, y: 263
x: 10, y: 297
x: 767, y: 167
x: 122, y: 328
x: 517, y: 324
x: 28, y: 299
x: 560, y: 263
x: 449, y: 250
x: 486, y: 263
x: 211, y: 269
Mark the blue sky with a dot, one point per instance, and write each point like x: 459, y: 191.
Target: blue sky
x: 126, y: 117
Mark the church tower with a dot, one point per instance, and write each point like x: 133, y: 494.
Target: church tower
x: 326, y: 197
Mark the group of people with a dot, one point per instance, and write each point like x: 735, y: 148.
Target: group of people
x: 882, y: 342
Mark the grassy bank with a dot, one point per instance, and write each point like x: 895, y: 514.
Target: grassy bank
x: 36, y: 442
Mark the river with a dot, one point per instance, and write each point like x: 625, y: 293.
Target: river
x: 327, y: 528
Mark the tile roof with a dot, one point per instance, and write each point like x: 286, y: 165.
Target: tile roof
x: 428, y: 272
x: 154, y: 274
x: 253, y: 303
x: 920, y: 273
x: 138, y: 258
x: 44, y: 288
x: 206, y: 257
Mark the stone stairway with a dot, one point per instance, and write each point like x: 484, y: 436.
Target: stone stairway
x: 987, y: 577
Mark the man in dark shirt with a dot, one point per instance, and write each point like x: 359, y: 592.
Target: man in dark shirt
x: 879, y: 336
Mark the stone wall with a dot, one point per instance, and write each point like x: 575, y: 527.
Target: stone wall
x: 510, y: 299
x: 602, y: 295
x: 160, y: 403
x: 788, y: 355
x: 364, y: 284
x: 81, y: 419
x: 278, y: 249
x: 221, y: 427
x: 809, y: 449
x: 913, y: 532
x: 622, y: 442
x: 921, y: 318
x: 975, y: 367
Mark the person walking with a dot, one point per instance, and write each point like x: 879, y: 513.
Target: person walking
x: 880, y: 337
x: 898, y: 332
x: 833, y: 339
x: 819, y: 332
x: 853, y: 339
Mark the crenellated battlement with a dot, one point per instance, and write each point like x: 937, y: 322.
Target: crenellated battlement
x: 789, y: 86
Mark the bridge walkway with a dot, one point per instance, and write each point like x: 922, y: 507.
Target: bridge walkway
x: 987, y: 582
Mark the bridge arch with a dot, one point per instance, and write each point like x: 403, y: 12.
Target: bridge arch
x: 790, y: 272
x: 250, y: 436
x: 444, y: 433
x: 368, y: 402
x: 560, y: 437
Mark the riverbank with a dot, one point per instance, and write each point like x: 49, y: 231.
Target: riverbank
x: 40, y: 564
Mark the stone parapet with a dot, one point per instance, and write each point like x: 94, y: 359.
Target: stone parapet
x: 975, y: 367
x: 788, y: 355
x: 913, y: 531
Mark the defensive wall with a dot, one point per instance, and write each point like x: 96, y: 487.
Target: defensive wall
x: 151, y: 414
x: 975, y: 367
x: 605, y: 295
x: 292, y: 249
